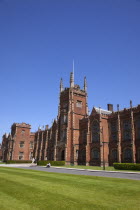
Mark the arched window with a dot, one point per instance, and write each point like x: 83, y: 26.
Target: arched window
x: 128, y: 155
x: 95, y: 131
x: 95, y: 154
x: 114, y: 155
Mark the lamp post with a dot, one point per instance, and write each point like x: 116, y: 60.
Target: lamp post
x: 103, y: 142
x: 104, y: 155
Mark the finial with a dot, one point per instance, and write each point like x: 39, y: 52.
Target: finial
x: 118, y: 107
x: 72, y: 76
x: 73, y: 69
x: 99, y: 110
x: 61, y: 85
x: 85, y: 84
x: 130, y: 103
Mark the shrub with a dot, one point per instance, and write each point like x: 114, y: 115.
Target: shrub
x: 53, y: 163
x: 127, y: 166
x: 18, y: 161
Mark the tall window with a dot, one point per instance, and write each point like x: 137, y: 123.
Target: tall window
x: 63, y: 135
x: 21, y: 144
x: 113, y: 128
x: 31, y: 155
x: 10, y: 155
x: 127, y: 130
x: 114, y: 155
x: 21, y: 155
x: 31, y: 144
x: 126, y: 125
x: 63, y: 119
x: 95, y: 132
x: 95, y: 154
x: 128, y: 155
x: 114, y: 137
x: 22, y: 132
x: 127, y: 135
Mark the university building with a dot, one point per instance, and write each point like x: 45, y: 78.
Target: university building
x: 102, y: 137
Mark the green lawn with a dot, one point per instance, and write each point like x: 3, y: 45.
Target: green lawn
x: 27, y: 189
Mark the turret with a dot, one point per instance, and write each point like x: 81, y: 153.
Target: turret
x: 71, y: 80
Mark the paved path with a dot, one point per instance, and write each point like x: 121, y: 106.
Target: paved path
x: 113, y: 174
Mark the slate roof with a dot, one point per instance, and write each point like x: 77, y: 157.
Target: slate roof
x: 103, y: 111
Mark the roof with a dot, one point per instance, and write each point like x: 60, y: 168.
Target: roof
x: 102, y: 111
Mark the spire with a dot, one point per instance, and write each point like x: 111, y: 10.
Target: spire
x: 61, y: 85
x: 85, y: 84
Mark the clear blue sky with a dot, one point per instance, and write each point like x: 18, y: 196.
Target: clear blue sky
x: 40, y: 38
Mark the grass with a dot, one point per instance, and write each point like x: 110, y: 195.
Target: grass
x: 28, y: 189
x: 109, y: 168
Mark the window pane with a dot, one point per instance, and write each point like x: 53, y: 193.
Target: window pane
x: 95, y: 132
x: 21, y: 144
x: 95, y: 154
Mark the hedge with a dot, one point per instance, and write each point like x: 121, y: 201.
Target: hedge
x: 18, y: 161
x: 127, y: 166
x: 53, y: 163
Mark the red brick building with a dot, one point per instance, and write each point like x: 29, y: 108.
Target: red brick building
x: 103, y: 137
x: 19, y: 144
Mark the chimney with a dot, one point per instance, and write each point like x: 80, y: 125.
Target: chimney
x: 110, y: 107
